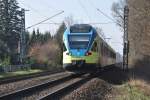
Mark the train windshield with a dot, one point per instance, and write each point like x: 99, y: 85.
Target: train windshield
x: 80, y: 29
x: 78, y: 41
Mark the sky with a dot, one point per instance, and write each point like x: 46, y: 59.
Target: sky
x: 82, y: 11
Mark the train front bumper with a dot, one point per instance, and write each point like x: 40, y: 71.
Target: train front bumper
x: 80, y: 64
x: 84, y: 67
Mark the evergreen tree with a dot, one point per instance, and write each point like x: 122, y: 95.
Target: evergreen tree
x: 33, y: 38
x: 59, y: 38
x: 27, y: 41
x: 47, y: 36
x: 38, y: 37
x: 59, y: 34
x: 10, y: 26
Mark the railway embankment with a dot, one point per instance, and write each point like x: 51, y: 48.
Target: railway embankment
x: 112, y: 84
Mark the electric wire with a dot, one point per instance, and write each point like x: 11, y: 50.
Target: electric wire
x: 84, y: 9
x: 35, y: 10
x: 45, y: 20
x: 50, y: 6
x: 93, y: 23
x: 91, y: 3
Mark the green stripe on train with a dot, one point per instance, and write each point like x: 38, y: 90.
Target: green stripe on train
x: 88, y: 59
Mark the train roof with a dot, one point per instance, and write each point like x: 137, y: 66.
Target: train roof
x: 81, y: 25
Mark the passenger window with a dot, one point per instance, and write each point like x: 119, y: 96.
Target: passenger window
x: 94, y: 47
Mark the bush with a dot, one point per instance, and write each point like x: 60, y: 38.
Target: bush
x: 5, y: 61
x: 48, y: 53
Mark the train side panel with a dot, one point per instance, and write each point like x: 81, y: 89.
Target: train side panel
x: 107, y: 55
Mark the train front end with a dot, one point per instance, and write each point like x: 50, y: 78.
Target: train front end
x: 77, y: 55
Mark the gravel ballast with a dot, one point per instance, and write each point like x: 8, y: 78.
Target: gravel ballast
x: 95, y: 89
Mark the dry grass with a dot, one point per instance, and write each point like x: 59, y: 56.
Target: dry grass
x: 131, y: 90
x: 141, y: 85
x: 96, y: 90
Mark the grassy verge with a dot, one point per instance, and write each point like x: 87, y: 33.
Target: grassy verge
x: 133, y: 90
x: 19, y: 73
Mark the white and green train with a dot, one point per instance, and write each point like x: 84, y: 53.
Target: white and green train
x: 85, y: 50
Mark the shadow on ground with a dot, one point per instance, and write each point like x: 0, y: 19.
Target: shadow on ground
x: 141, y: 69
x: 114, y: 75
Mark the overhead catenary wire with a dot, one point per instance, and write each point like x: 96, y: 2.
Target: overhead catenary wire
x: 84, y: 9
x: 91, y: 3
x: 52, y: 23
x: 35, y: 10
x: 45, y: 20
x: 93, y: 23
x: 105, y: 15
x: 101, y: 23
x: 50, y: 6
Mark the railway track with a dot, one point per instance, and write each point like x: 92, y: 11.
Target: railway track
x: 52, y: 89
x: 23, y: 77
x: 68, y: 87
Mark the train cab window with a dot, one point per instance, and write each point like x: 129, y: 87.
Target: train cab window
x: 78, y: 41
x: 78, y: 45
x: 80, y: 28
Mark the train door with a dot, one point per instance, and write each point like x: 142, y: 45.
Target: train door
x: 95, y: 49
x: 99, y: 51
x: 102, y: 54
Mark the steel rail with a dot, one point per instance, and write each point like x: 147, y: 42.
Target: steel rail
x: 29, y: 76
x: 62, y: 91
x: 20, y: 93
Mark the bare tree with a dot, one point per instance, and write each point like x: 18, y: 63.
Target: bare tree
x: 69, y: 21
x: 118, y: 12
x: 100, y: 32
